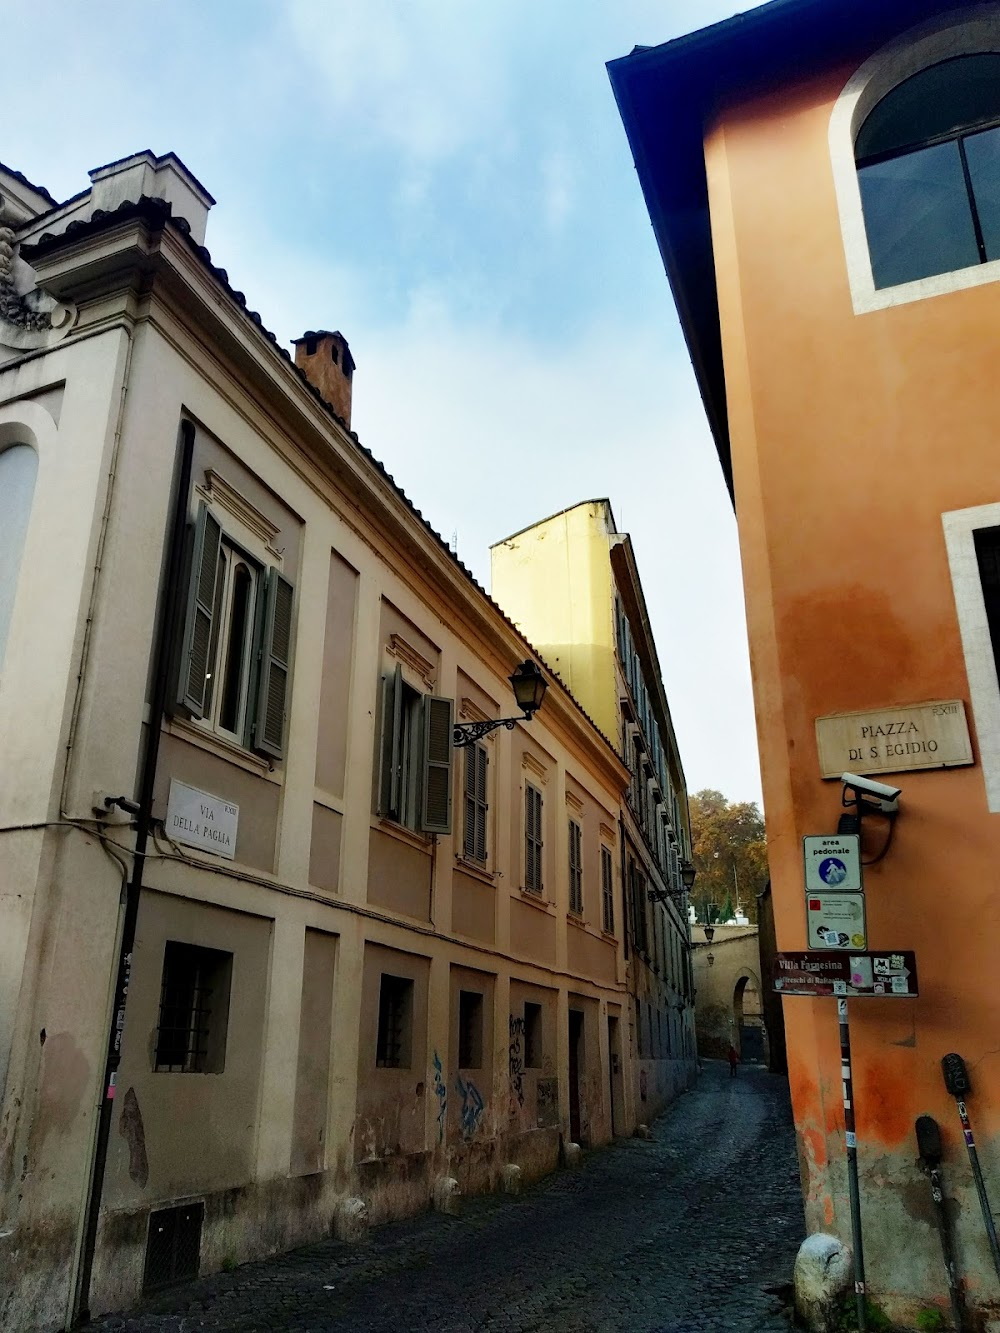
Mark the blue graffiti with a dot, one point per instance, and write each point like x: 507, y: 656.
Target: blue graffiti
x: 441, y: 1093
x: 472, y: 1106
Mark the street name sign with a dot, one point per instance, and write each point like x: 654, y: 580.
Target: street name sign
x: 200, y: 820
x: 848, y: 975
x: 895, y: 739
x: 836, y: 921
x: 833, y: 863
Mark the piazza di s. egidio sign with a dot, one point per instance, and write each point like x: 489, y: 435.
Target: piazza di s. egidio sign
x: 891, y: 740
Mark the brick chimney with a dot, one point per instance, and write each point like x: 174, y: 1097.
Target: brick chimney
x: 329, y: 367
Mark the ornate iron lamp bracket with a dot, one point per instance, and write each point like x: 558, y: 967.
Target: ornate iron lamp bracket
x: 467, y: 733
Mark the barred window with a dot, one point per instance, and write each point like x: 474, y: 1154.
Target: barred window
x: 470, y: 1029
x: 194, y: 1010
x: 395, y: 1022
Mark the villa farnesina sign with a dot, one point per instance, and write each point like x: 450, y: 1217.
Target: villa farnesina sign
x: 891, y: 740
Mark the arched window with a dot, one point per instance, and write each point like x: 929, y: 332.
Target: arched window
x: 18, y: 466
x: 928, y: 161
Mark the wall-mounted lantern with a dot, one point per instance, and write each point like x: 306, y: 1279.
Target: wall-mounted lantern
x: 529, y: 686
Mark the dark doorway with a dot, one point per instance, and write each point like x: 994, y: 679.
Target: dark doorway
x: 575, y: 1060
x: 615, y: 1070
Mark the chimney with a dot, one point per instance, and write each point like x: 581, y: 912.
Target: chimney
x: 329, y: 367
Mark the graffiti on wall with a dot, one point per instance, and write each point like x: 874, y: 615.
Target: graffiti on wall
x: 516, y: 1054
x: 472, y: 1105
x: 441, y: 1093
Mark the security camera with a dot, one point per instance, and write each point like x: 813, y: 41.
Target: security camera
x: 886, y: 798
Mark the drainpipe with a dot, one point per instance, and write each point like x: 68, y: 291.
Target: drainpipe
x: 157, y: 707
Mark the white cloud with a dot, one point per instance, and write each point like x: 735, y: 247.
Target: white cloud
x: 425, y: 77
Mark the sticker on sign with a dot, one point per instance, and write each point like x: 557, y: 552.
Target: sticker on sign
x: 833, y: 863
x: 836, y: 921
x: 871, y: 973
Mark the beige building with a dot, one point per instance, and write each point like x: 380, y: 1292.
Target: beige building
x: 231, y: 658
x: 571, y: 584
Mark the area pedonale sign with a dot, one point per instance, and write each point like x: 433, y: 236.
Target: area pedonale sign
x: 847, y: 975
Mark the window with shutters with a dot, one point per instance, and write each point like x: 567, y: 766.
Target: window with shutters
x: 575, y: 867
x: 607, y: 890
x: 415, y: 757
x: 236, y: 647
x: 475, y: 844
x: 533, y: 840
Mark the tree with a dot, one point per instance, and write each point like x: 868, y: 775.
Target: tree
x: 730, y: 855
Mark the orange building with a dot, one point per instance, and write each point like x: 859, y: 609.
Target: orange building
x: 823, y: 178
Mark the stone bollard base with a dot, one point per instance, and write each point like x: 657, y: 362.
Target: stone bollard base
x: 510, y: 1178
x: 350, y: 1221
x: 573, y: 1154
x: 447, y: 1195
x: 643, y: 1132
x: 824, y: 1271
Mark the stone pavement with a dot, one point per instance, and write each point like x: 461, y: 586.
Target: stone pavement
x: 681, y: 1234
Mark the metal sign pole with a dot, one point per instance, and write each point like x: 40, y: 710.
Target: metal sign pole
x: 852, y: 1164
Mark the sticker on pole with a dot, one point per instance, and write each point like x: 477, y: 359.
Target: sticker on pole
x: 833, y: 863
x: 836, y: 921
x: 849, y: 975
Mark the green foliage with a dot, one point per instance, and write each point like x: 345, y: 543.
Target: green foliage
x: 729, y: 850
x: 875, y: 1317
x: 930, y: 1321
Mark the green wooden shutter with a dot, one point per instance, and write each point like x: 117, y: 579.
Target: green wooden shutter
x: 195, y: 665
x: 471, y: 789
x: 435, y: 813
x: 390, y: 743
x: 482, y: 805
x: 275, y: 655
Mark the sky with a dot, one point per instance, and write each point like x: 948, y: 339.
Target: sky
x: 449, y: 184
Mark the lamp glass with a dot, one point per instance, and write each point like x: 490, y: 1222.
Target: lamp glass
x: 529, y: 686
x: 688, y: 874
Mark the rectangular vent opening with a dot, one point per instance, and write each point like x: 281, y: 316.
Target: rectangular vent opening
x: 173, y: 1246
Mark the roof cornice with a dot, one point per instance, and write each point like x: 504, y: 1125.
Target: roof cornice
x: 142, y: 246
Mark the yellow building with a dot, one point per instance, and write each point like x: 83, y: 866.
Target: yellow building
x: 571, y: 584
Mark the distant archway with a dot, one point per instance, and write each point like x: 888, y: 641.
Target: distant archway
x: 748, y: 1019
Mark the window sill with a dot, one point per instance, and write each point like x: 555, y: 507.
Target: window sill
x: 421, y: 841
x: 222, y: 749
x: 536, y: 900
x: 475, y: 869
x: 576, y: 919
x: 609, y: 936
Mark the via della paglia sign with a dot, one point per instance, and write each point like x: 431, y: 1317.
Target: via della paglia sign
x: 199, y: 820
x: 894, y: 740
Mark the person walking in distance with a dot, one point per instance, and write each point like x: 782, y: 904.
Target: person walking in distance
x: 734, y: 1060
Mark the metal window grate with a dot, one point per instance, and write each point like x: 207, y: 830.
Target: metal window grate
x: 189, y: 1001
x: 393, y: 1022
x: 173, y: 1246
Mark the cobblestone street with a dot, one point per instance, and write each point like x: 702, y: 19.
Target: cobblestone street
x: 683, y: 1233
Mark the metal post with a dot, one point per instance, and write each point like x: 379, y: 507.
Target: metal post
x: 977, y: 1175
x: 852, y: 1164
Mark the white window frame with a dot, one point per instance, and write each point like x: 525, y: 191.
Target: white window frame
x: 963, y: 32
x: 960, y: 525
x: 233, y: 555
